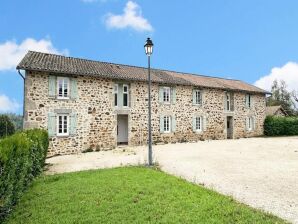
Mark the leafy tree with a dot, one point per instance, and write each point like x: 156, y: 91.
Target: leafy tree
x: 281, y: 96
x: 17, y: 121
x: 6, y: 126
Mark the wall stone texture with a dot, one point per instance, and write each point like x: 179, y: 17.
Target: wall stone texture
x: 97, y: 117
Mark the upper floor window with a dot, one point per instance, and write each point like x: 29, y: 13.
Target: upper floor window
x: 197, y: 97
x: 125, y: 95
x: 228, y: 101
x: 63, y: 88
x: 248, y: 100
x: 167, y: 124
x: 116, y: 95
x: 63, y: 125
x: 166, y: 94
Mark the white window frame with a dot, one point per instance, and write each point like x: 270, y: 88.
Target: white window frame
x: 127, y: 93
x: 67, y: 128
x: 166, y: 90
x: 228, y: 101
x: 167, y: 123
x: 115, y: 93
x: 200, y: 124
x: 63, y: 79
x: 198, y: 99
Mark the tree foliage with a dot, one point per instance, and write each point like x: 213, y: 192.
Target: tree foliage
x: 17, y: 121
x: 6, y: 126
x: 281, y: 96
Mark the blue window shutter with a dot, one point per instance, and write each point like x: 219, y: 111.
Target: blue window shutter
x: 51, y: 124
x: 52, y: 86
x: 193, y: 96
x: 73, y: 124
x: 173, y: 124
x: 173, y: 92
x: 73, y: 88
x: 161, y: 123
x: 160, y: 94
x: 204, y: 123
x: 194, y: 124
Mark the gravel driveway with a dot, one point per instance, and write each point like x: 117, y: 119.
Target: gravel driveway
x: 260, y: 172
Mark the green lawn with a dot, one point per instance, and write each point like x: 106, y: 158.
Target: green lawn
x: 128, y: 195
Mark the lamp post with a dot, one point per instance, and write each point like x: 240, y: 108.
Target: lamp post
x: 149, y: 50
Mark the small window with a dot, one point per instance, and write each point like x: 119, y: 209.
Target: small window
x: 63, y: 88
x: 63, y: 125
x: 125, y: 95
x: 166, y: 94
x: 228, y: 101
x: 197, y: 97
x: 198, y: 123
x: 167, y: 124
x: 248, y: 98
x: 116, y: 95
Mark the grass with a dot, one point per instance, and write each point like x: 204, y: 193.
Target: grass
x: 128, y: 195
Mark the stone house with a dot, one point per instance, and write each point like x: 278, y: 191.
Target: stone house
x: 276, y: 111
x: 89, y: 104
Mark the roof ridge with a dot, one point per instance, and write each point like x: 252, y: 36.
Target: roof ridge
x: 135, y: 66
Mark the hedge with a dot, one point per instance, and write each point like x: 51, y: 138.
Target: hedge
x: 22, y: 157
x: 281, y: 126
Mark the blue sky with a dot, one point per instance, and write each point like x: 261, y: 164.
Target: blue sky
x: 254, y: 41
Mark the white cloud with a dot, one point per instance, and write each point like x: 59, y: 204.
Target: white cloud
x: 8, y: 105
x: 11, y: 53
x: 288, y: 73
x: 131, y: 18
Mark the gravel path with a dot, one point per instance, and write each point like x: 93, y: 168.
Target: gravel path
x: 260, y: 172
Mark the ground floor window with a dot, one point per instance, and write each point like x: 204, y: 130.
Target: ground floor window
x: 250, y: 123
x: 198, y: 123
x: 167, y: 124
x: 62, y: 125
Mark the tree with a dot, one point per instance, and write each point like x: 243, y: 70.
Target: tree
x: 17, y: 120
x: 6, y: 126
x: 281, y: 96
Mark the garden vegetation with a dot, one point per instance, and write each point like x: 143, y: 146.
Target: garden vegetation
x: 281, y: 126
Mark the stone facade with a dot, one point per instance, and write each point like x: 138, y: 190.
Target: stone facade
x: 96, y: 126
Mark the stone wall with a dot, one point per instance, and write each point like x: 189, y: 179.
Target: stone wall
x: 97, y: 117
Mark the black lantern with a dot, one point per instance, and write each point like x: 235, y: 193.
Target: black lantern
x: 148, y: 47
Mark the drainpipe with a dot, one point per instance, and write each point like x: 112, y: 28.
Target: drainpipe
x: 23, y: 77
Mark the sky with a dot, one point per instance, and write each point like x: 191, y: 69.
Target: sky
x: 250, y: 40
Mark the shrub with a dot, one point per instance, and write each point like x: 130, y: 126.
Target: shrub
x: 280, y: 126
x: 6, y: 126
x: 22, y: 157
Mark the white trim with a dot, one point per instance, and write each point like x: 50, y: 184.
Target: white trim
x: 250, y: 123
x: 201, y: 124
x: 228, y: 101
x: 166, y: 89
x: 127, y: 92
x: 63, y: 79
x: 169, y: 124
x: 57, y: 123
x: 200, y: 98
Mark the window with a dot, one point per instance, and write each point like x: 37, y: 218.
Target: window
x: 198, y: 123
x: 63, y: 88
x: 116, y: 95
x: 63, y: 125
x: 197, y: 97
x: 166, y: 94
x: 167, y: 124
x: 248, y: 100
x: 125, y: 95
x: 228, y: 101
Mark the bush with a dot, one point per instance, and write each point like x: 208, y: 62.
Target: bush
x: 22, y: 157
x: 6, y: 126
x: 281, y: 126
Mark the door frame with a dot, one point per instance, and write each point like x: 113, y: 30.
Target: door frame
x: 230, y: 135
x: 117, y: 118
